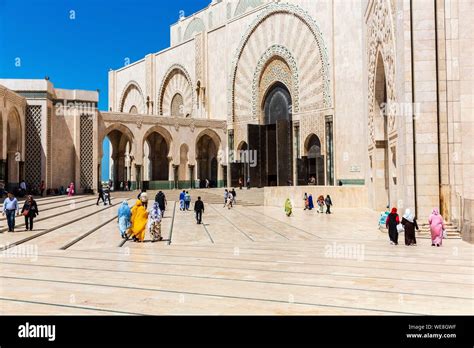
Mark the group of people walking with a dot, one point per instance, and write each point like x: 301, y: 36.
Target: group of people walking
x: 104, y: 195
x: 321, y: 202
x: 185, y: 205
x: 11, y: 209
x: 184, y: 200
x: 408, y: 225
x: 309, y: 204
x: 230, y: 198
x: 134, y: 222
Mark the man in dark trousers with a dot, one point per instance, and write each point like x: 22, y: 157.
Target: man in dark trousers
x: 199, y: 209
x: 100, y: 191
x: 160, y: 198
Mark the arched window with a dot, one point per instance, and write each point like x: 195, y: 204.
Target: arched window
x: 244, y: 5
x: 195, y: 26
x: 177, y: 106
x: 133, y: 110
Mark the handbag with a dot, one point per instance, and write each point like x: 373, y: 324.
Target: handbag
x: 445, y: 234
x: 26, y: 212
x: 400, y: 228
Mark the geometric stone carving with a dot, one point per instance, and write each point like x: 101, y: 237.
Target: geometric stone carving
x: 313, y: 124
x: 177, y: 105
x: 309, y: 62
x: 244, y: 5
x: 86, y: 150
x: 381, y: 41
x: 49, y: 146
x: 277, y: 64
x: 200, y: 56
x: 33, y: 145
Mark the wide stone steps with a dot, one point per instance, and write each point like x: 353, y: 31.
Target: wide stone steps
x: 210, y: 196
x: 452, y: 230
x: 424, y: 231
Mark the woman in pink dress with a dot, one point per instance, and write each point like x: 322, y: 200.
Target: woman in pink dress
x: 70, y: 191
x: 436, y: 226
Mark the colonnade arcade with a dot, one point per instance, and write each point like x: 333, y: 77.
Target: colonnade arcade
x: 154, y: 152
x: 12, y: 139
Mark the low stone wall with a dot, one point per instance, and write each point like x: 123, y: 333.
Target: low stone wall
x: 342, y: 196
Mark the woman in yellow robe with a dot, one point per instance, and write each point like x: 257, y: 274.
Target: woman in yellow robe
x: 139, y: 221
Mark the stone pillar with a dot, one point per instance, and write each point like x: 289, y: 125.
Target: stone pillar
x: 13, y: 168
x: 171, y: 170
x: 381, y: 198
x: 426, y: 152
x: 220, y: 175
x: 132, y: 175
x: 296, y: 154
x: 192, y: 175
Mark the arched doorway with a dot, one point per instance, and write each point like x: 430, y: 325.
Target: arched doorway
x: 206, y: 158
x: 244, y: 162
x: 315, y: 160
x: 158, y: 157
x: 272, y: 139
x: 119, y: 160
x: 380, y: 162
x: 13, y: 159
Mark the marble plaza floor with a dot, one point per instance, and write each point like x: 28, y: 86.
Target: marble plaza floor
x: 248, y: 260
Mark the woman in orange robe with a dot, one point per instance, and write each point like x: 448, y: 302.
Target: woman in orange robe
x: 139, y: 221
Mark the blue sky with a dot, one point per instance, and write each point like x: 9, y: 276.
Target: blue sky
x: 77, y: 53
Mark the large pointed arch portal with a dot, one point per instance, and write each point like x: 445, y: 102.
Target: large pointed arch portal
x: 272, y: 139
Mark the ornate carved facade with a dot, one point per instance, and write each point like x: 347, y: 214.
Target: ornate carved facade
x: 327, y: 78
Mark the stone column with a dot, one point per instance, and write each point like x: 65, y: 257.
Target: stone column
x: 427, y: 157
x: 296, y: 145
x: 220, y: 175
x: 171, y: 172
x: 381, y: 198
x: 13, y: 168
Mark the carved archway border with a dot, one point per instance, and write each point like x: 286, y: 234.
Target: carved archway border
x: 285, y: 54
x: 124, y: 93
x: 307, y: 20
x: 122, y: 128
x: 165, y: 80
x: 14, y: 114
x: 381, y: 40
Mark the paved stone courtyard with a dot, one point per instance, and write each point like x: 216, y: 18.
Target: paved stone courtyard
x: 248, y: 260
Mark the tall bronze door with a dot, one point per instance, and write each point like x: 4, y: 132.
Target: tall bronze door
x: 284, y: 152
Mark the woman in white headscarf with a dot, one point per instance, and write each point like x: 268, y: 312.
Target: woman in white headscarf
x: 409, y: 223
x: 154, y: 223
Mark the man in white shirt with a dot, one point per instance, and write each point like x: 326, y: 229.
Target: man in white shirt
x: 10, y: 208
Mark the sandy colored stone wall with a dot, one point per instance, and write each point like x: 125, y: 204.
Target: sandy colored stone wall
x: 342, y: 196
